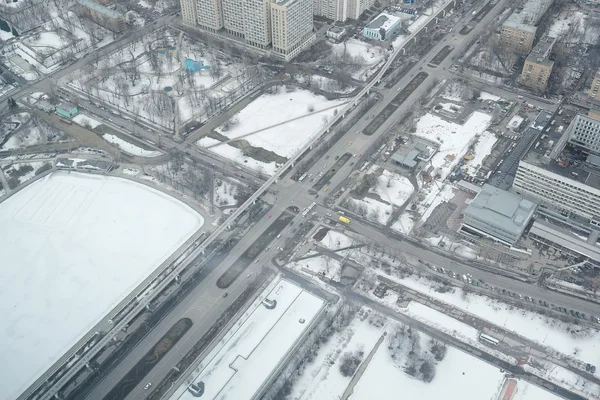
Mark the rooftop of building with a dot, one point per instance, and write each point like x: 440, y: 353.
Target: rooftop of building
x: 110, y: 13
x: 337, y: 29
x: 528, y: 17
x: 550, y: 152
x: 501, y: 208
x: 540, y: 53
x: 66, y: 106
x: 565, y: 238
x: 383, y: 20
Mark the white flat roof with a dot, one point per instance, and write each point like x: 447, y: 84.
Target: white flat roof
x: 256, y: 345
x: 73, y: 246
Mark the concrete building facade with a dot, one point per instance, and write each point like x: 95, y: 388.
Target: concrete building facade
x: 518, y: 31
x: 291, y: 27
x: 538, y: 66
x: 498, y: 214
x: 341, y: 10
x: 558, y: 191
x: 104, y: 16
x: 584, y: 132
x: 284, y: 27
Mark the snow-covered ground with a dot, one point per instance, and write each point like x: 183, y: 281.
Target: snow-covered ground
x: 72, y: 249
x: 361, y: 53
x: 458, y: 376
x: 237, y: 155
x: 489, y: 96
x: 84, y: 120
x: 322, y: 379
x: 404, y: 224
x: 324, y: 266
x: 483, y: 148
x: 454, y: 139
x: 564, y: 378
x: 32, y: 168
x: 225, y: 193
x: 527, y: 391
x: 335, y: 240
x: 255, y: 348
x: 576, y: 341
x: 371, y: 208
x: 393, y: 188
x: 130, y: 148
x: 277, y: 109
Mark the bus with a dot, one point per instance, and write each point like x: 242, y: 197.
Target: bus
x: 344, y: 220
x: 488, y: 339
x: 302, y: 177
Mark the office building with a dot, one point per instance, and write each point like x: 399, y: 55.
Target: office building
x: 341, y: 10
x: 518, y: 31
x: 538, y: 66
x: 103, y: 16
x: 584, y: 133
x: 382, y: 27
x: 498, y: 214
x: 594, y: 93
x: 284, y: 28
x: 291, y: 27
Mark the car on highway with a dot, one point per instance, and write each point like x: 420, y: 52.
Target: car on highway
x: 225, y: 294
x: 269, y: 216
x: 147, y: 386
x: 350, y: 143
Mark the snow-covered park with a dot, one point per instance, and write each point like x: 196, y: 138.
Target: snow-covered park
x: 130, y: 148
x: 256, y: 345
x: 74, y: 245
x: 280, y: 122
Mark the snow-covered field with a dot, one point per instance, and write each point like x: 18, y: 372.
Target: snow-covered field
x: 576, y: 341
x: 130, y: 148
x: 394, y: 188
x: 279, y: 108
x: 324, y: 266
x: 366, y: 55
x: 489, y: 96
x: 225, y: 193
x: 254, y: 348
x: 322, y: 379
x: 237, y: 155
x: 72, y: 249
x: 458, y: 376
x: 335, y: 240
x: 84, y: 120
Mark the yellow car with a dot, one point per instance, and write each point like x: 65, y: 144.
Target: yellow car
x: 326, y: 189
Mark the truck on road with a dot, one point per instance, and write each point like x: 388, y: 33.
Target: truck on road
x: 344, y: 219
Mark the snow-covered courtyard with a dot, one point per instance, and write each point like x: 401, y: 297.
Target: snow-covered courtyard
x: 73, y: 246
x: 256, y: 345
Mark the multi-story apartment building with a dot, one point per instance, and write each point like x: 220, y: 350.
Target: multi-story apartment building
x: 188, y: 12
x: 284, y: 27
x: 584, y: 133
x: 291, y: 27
x: 209, y: 15
x: 594, y: 92
x: 558, y: 190
x: 104, y: 16
x: 538, y: 67
x: 518, y: 31
x: 341, y: 10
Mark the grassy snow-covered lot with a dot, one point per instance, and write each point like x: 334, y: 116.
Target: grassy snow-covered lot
x: 61, y: 277
x: 272, y: 127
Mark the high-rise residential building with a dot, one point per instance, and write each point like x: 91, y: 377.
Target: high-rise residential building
x: 518, y: 31
x: 291, y: 27
x: 188, y: 12
x: 594, y: 92
x: 538, y: 67
x: 341, y: 10
x: 209, y: 15
x: 285, y: 27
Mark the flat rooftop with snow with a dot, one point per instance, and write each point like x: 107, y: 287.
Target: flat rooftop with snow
x: 73, y: 247
x: 256, y: 346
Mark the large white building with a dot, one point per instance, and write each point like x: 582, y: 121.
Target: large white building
x: 584, y: 132
x: 341, y: 10
x: 283, y: 26
x: 559, y: 191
